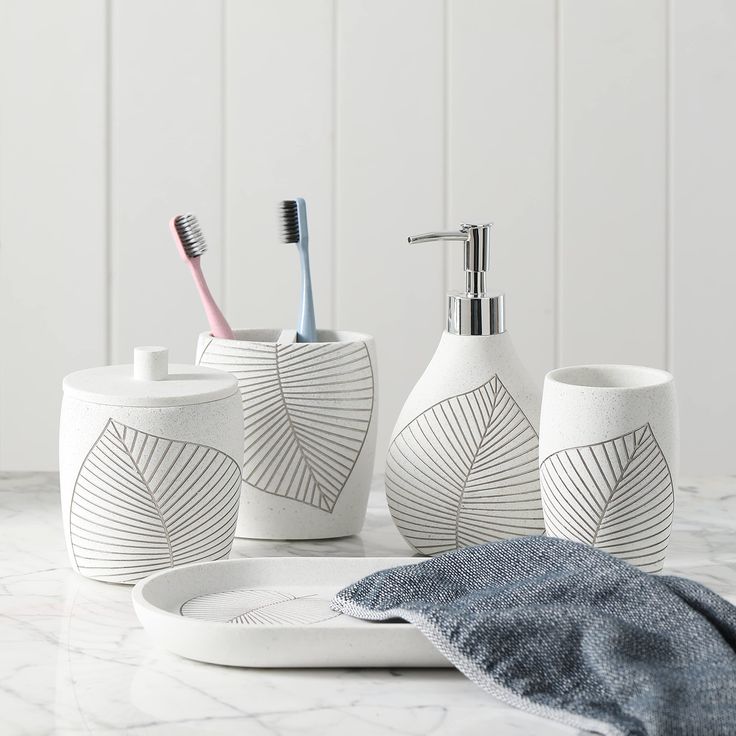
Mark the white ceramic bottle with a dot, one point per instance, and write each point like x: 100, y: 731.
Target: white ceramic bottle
x: 462, y: 466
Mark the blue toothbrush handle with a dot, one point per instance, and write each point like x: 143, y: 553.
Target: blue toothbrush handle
x: 306, y: 329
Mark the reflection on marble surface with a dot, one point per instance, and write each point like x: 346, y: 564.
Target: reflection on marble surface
x: 76, y: 661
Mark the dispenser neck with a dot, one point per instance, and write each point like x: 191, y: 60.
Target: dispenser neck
x: 475, y: 283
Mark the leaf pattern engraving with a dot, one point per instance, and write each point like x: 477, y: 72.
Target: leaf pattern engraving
x: 250, y: 606
x: 307, y: 409
x: 143, y: 503
x: 465, y: 472
x: 616, y: 495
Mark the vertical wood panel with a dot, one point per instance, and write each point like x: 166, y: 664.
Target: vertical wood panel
x: 390, y: 75
x: 703, y: 224
x: 279, y: 120
x: 52, y: 215
x: 612, y: 181
x: 501, y: 114
x: 165, y: 159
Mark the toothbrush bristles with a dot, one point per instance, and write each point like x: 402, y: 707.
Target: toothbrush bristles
x: 190, y: 234
x: 289, y: 222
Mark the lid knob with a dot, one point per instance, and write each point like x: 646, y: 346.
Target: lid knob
x: 150, y: 363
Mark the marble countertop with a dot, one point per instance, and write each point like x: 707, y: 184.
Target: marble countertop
x: 75, y: 660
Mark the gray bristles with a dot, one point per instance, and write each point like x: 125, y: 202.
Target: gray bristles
x: 289, y: 222
x: 190, y: 234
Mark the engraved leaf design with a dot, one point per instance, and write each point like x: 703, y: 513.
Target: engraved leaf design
x: 465, y: 472
x: 307, y: 409
x: 143, y: 503
x: 249, y: 606
x: 616, y: 495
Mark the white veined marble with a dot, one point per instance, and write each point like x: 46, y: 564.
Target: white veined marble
x: 74, y: 659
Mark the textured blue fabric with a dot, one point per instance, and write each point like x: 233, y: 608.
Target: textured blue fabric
x: 569, y: 632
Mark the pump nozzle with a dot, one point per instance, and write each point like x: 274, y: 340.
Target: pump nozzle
x: 474, y: 281
x: 476, y: 313
x: 477, y: 239
x: 431, y: 237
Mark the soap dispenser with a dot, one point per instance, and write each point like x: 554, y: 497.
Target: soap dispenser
x: 462, y: 466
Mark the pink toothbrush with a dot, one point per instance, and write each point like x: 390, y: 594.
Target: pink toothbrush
x: 191, y: 243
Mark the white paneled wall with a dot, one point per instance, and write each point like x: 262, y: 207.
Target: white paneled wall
x: 165, y: 156
x: 596, y: 134
x: 53, y: 214
x: 702, y: 227
x: 389, y: 179
x: 612, y: 180
x: 501, y: 150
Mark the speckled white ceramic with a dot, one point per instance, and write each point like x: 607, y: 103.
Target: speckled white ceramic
x: 275, y: 613
x: 309, y: 429
x: 149, y: 469
x: 462, y: 467
x: 608, y: 451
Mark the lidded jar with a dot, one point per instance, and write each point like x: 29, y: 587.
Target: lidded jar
x: 150, y: 463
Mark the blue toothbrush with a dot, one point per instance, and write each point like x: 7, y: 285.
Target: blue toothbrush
x: 294, y: 230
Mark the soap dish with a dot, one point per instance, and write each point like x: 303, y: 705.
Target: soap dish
x: 275, y: 612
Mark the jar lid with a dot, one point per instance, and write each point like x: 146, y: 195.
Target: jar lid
x: 150, y: 381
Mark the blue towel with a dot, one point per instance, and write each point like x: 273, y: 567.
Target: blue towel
x: 569, y: 632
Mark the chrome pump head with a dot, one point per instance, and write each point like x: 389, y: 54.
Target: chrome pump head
x: 473, y: 312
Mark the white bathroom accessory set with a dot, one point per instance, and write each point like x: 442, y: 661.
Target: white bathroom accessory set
x: 149, y: 455
x: 272, y: 435
x: 464, y: 461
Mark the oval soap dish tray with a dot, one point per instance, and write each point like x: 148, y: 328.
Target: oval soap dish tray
x: 275, y: 612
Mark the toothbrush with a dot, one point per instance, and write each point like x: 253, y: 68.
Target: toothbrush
x: 191, y: 243
x: 294, y: 230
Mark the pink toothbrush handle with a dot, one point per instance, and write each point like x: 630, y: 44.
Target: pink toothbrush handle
x: 218, y: 324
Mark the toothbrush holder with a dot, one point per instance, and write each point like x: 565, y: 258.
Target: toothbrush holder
x: 608, y: 444
x: 309, y: 429
x: 149, y: 466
